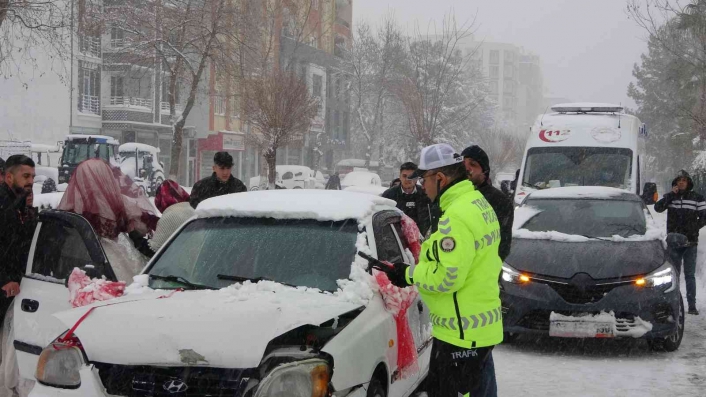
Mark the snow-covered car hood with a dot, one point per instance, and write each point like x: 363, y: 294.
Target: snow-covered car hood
x: 228, y: 328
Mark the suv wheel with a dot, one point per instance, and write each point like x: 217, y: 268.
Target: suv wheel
x: 375, y: 389
x: 510, y: 337
x: 672, y: 342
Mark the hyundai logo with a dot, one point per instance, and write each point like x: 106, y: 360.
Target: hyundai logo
x: 175, y: 386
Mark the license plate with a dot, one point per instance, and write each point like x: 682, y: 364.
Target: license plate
x: 580, y: 329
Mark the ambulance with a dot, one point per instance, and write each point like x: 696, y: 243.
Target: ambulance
x: 583, y: 144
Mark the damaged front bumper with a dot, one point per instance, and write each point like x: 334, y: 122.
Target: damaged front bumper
x: 623, y: 311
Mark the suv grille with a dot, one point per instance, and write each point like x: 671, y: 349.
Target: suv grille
x: 589, y: 294
x: 143, y: 381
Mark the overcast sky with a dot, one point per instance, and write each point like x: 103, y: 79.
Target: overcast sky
x: 588, y: 47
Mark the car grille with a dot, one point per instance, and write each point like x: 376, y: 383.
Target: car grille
x: 143, y: 381
x: 588, y: 294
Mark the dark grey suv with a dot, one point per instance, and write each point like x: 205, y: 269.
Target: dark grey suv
x: 589, y: 262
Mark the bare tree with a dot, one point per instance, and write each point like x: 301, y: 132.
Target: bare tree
x: 438, y: 84
x: 279, y: 105
x: 372, y: 63
x: 34, y: 33
x: 180, y: 38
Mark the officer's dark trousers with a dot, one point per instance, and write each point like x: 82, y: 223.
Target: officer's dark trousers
x: 456, y: 372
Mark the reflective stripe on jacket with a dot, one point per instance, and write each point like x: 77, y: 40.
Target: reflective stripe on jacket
x: 458, y: 270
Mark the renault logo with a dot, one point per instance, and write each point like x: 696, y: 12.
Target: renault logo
x: 175, y: 386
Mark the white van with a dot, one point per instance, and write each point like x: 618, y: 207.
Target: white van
x: 583, y: 144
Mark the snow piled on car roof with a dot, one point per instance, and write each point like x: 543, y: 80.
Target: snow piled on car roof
x: 584, y: 192
x: 322, y: 205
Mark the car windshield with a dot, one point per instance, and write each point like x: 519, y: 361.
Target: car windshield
x: 578, y: 166
x: 75, y: 152
x: 590, y: 218
x: 305, y: 253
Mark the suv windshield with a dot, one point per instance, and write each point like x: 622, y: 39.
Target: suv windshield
x: 75, y: 152
x: 578, y: 166
x: 590, y: 218
x: 304, y: 253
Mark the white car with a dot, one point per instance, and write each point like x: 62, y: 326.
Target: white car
x: 261, y: 294
x: 360, y: 178
x: 290, y: 177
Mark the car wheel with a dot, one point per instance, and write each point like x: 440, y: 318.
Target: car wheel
x: 672, y: 342
x: 510, y: 337
x: 375, y: 389
x: 254, y: 188
x: 297, y: 187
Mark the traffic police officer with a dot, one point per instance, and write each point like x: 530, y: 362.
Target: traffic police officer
x: 457, y: 278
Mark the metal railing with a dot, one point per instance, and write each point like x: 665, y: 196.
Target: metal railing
x: 89, y: 104
x: 117, y: 43
x: 131, y: 101
x: 165, y: 107
x: 90, y: 45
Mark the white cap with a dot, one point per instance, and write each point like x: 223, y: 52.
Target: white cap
x: 437, y: 156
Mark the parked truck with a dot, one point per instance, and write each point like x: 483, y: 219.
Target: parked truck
x: 78, y: 148
x: 141, y: 163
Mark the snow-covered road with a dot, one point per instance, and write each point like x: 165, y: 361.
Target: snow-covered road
x: 567, y: 367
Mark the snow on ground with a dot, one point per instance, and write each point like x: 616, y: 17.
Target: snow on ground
x: 568, y: 367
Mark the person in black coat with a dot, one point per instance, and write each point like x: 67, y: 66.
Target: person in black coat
x: 478, y: 167
x: 17, y: 224
x: 221, y: 182
x: 686, y: 215
x: 410, y: 198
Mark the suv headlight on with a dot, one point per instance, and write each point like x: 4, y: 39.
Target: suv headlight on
x: 664, y: 277
x: 60, y: 363
x: 308, y: 378
x: 510, y: 275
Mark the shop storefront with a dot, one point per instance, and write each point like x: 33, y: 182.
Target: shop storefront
x: 223, y: 141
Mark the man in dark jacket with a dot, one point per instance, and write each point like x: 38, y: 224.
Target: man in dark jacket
x: 478, y: 167
x: 17, y: 224
x: 2, y: 171
x: 686, y: 214
x: 220, y: 183
x: 410, y: 199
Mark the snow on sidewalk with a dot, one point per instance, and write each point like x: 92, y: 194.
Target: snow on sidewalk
x: 566, y: 367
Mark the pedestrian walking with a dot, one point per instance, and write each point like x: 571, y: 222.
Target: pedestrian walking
x: 219, y: 183
x: 411, y: 200
x: 478, y: 166
x: 334, y: 182
x: 457, y: 278
x: 686, y: 215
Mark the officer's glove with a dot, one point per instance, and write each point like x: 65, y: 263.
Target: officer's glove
x: 397, y: 274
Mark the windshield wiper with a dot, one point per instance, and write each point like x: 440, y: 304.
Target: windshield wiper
x: 595, y: 238
x: 228, y: 277
x: 180, y: 280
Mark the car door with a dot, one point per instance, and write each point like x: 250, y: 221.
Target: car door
x: 62, y: 242
x: 390, y: 247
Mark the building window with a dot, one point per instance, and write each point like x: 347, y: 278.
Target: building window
x: 494, y: 72
x: 219, y: 106
x: 494, y: 57
x: 314, y: 4
x: 336, y: 125
x: 317, y: 85
x: 116, y: 86
x: 89, y: 87
x: 509, y: 72
x: 117, y: 37
x: 493, y: 86
x: 509, y: 56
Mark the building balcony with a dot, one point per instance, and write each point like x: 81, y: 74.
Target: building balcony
x: 89, y: 104
x: 90, y: 46
x: 140, y: 104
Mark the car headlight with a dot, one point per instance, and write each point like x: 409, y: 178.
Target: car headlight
x: 513, y: 276
x: 60, y: 363
x: 664, y: 277
x: 308, y: 378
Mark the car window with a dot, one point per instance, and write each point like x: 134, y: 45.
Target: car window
x: 60, y: 248
x: 299, y: 174
x: 305, y: 253
x: 388, y: 245
x: 595, y: 218
x: 287, y: 175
